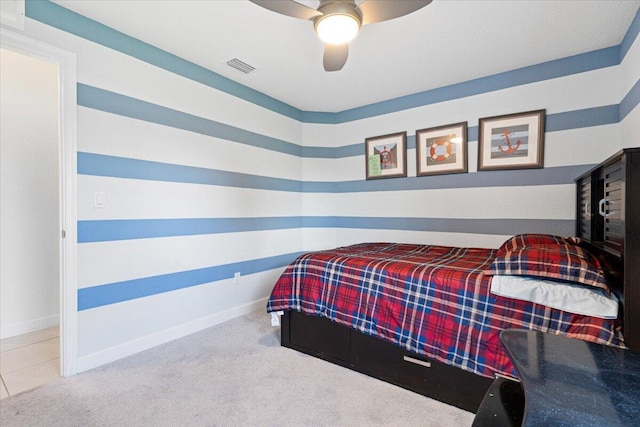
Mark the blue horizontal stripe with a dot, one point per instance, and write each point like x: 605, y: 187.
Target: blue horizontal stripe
x: 120, y: 167
x: 588, y: 117
x: 328, y: 152
x: 108, y: 230
x: 112, y: 293
x: 112, y: 230
x: 115, y: 103
x: 503, y: 226
x: 506, y: 178
x: 630, y: 36
x: 630, y: 101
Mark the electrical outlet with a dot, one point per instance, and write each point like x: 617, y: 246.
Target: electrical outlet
x: 236, y: 278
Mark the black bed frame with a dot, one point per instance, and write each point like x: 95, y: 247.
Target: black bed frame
x: 350, y: 348
x: 327, y: 340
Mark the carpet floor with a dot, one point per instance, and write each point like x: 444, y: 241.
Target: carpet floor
x: 234, y: 374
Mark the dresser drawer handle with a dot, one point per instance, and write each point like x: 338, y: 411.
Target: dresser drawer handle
x: 601, y: 208
x: 417, y: 361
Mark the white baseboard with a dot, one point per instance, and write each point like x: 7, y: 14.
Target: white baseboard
x: 20, y: 328
x: 112, y: 354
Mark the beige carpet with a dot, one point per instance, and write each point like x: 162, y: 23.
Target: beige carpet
x: 235, y: 374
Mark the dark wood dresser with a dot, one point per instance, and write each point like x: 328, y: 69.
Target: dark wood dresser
x: 608, y: 219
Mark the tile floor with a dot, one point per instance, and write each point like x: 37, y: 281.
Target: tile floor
x: 28, y: 361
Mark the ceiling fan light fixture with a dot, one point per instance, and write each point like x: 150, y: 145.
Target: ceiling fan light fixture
x: 337, y: 28
x: 339, y: 22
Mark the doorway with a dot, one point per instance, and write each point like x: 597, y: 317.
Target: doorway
x: 29, y: 221
x: 48, y: 215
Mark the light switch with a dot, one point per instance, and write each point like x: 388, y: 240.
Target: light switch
x: 99, y: 199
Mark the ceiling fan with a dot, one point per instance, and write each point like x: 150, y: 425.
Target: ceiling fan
x: 337, y: 22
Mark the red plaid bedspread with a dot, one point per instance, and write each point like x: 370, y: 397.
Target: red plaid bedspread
x: 432, y: 300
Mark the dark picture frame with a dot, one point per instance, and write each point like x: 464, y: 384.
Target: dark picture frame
x: 512, y: 141
x: 442, y: 149
x: 386, y: 156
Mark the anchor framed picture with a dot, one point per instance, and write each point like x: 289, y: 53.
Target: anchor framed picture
x: 441, y: 150
x: 512, y: 141
x: 386, y: 156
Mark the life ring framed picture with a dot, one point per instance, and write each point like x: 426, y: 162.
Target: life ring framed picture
x: 441, y: 149
x: 512, y: 141
x: 386, y: 156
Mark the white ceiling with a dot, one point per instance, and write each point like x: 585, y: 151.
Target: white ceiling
x: 447, y: 42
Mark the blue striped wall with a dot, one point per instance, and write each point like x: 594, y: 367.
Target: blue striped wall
x: 92, y: 231
x: 110, y: 102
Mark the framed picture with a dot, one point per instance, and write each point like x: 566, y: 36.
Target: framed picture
x: 441, y: 149
x: 386, y: 156
x: 514, y: 141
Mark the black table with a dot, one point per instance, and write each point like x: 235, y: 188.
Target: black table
x: 566, y: 382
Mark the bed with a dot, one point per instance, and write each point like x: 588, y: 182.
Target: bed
x: 432, y: 303
x: 428, y: 318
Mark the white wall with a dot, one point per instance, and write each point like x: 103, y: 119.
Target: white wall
x: 29, y: 206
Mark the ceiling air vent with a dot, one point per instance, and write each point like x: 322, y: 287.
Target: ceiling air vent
x: 239, y: 65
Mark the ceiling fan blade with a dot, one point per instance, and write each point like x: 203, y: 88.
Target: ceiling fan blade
x: 335, y: 56
x: 289, y: 8
x: 383, y: 10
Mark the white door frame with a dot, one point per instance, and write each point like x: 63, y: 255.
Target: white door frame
x: 67, y: 139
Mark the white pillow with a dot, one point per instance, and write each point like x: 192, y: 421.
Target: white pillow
x: 588, y: 301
